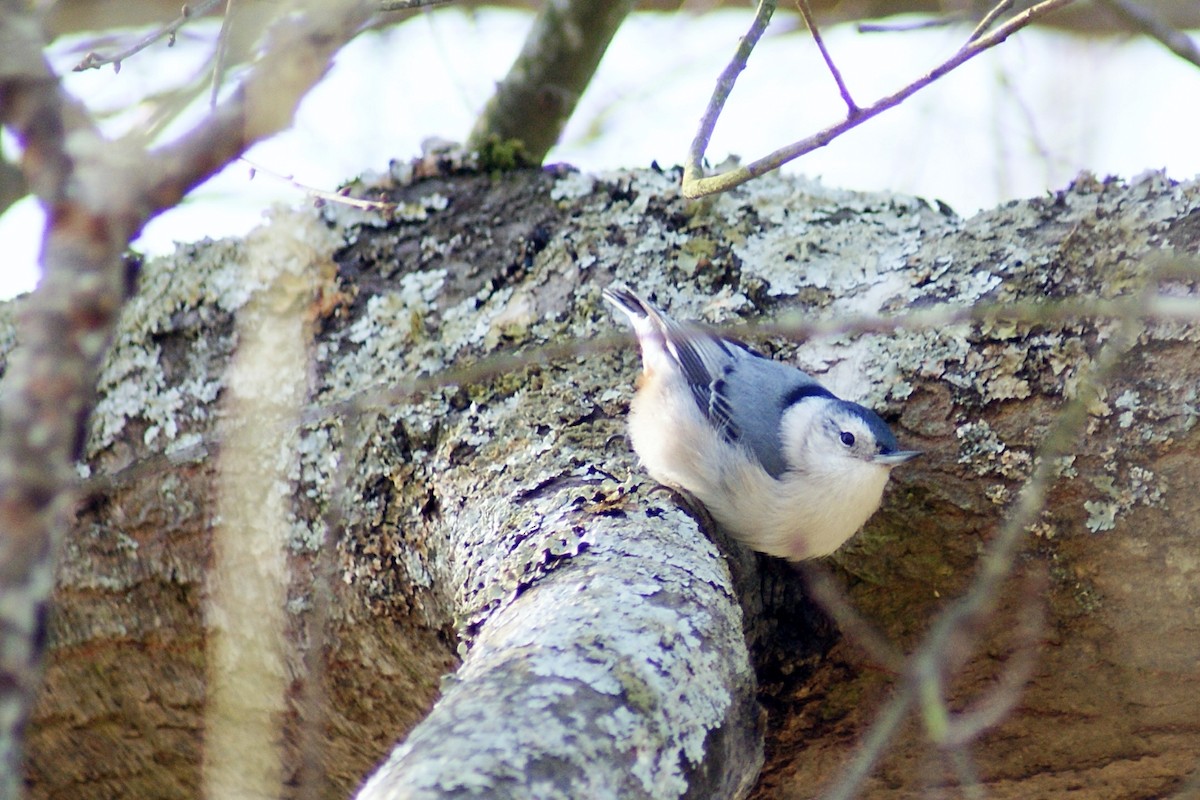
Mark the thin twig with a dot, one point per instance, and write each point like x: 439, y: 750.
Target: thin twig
x: 49, y: 376
x: 933, y: 660
x: 880, y: 734
x: 965, y: 726
x: 1145, y: 21
x: 692, y: 169
x: 324, y: 195
x: 806, y: 13
x: 795, y: 326
x: 219, y: 58
x: 852, y: 624
x: 550, y: 74
x: 94, y: 60
x: 905, y: 27
x: 989, y: 19
x: 249, y: 685
x: 297, y: 55
x: 968, y: 776
x: 1158, y: 307
x: 69, y: 320
x: 408, y: 5
x: 694, y: 186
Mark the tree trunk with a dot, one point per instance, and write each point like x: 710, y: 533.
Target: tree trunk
x: 490, y: 510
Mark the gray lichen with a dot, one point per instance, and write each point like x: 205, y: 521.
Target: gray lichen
x: 596, y: 623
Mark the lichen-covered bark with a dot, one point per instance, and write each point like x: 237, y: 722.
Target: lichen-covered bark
x: 495, y: 514
x: 622, y: 673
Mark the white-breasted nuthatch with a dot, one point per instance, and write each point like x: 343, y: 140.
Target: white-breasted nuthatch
x: 783, y: 464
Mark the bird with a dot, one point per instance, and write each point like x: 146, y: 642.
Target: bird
x: 780, y: 462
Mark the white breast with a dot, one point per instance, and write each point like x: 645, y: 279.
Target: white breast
x: 797, y: 516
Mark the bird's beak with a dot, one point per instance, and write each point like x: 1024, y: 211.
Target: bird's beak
x: 897, y: 458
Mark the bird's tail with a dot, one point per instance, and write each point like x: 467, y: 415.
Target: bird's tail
x: 651, y: 326
x: 629, y: 303
x: 644, y: 315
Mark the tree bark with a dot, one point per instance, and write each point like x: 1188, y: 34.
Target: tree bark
x: 97, y: 195
x: 493, y: 512
x: 538, y: 95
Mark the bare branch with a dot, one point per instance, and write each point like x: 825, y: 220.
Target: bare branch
x: 695, y: 186
x: 949, y: 641
x: 880, y: 735
x: 409, y: 5
x: 556, y: 63
x: 806, y: 13
x: 340, y: 197
x: 1162, y: 307
x: 966, y: 726
x: 903, y: 27
x: 219, y: 59
x: 968, y: 775
x: 1050, y: 208
x: 94, y: 60
x: 297, y: 56
x: 852, y: 624
x: 693, y: 171
x: 1144, y: 20
x: 989, y: 19
x: 248, y: 653
x: 1159, y: 307
x: 312, y: 783
x: 88, y: 16
x: 66, y: 324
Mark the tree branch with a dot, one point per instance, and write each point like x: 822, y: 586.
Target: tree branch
x: 953, y: 633
x: 248, y: 653
x: 427, y: 500
x: 853, y: 626
x: 843, y: 90
x: 560, y: 55
x: 693, y: 169
x: 694, y: 185
x: 94, y: 60
x: 65, y: 326
x: 409, y: 5
x: 321, y: 196
x: 95, y: 205
x: 989, y: 19
x: 1146, y: 21
x: 658, y: 701
x: 798, y: 327
x: 88, y: 16
x: 297, y: 56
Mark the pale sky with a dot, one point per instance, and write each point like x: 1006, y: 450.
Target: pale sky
x: 1016, y: 122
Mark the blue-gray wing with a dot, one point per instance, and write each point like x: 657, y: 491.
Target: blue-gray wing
x: 705, y: 360
x: 742, y: 393
x: 757, y: 392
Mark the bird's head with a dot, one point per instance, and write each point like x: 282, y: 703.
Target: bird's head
x: 828, y: 437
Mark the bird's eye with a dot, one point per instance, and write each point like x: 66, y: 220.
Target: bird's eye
x: 847, y: 438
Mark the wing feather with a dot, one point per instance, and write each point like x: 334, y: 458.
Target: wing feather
x: 741, y: 393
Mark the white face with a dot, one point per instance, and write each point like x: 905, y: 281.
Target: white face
x: 854, y: 438
x: 820, y: 436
